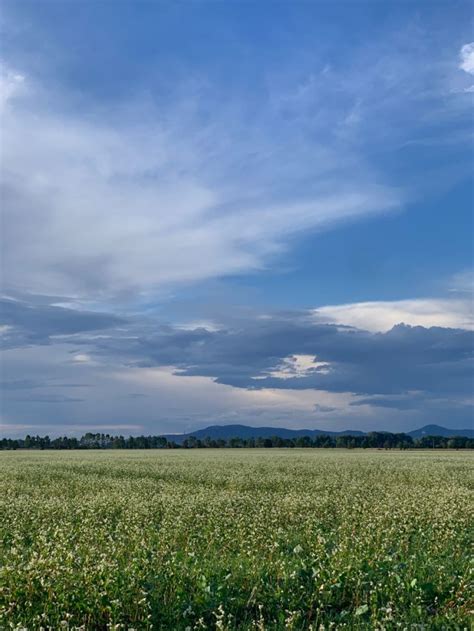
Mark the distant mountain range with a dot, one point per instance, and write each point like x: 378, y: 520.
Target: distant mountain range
x: 225, y: 432
x: 437, y: 430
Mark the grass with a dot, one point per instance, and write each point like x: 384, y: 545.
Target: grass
x: 236, y: 539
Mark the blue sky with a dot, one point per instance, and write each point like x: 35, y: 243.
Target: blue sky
x: 236, y: 212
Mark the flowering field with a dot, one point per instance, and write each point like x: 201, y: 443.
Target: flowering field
x: 236, y: 539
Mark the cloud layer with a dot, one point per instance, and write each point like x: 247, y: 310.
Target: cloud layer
x: 217, y: 170
x: 340, y: 371
x: 102, y: 205
x: 384, y: 315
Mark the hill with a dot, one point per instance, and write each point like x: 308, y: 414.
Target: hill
x: 438, y: 430
x: 225, y: 432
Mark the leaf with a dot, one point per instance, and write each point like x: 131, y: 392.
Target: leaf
x: 360, y: 611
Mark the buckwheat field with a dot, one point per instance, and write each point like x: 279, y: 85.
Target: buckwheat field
x: 235, y: 539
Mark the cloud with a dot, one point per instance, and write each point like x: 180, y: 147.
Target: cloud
x: 405, y: 358
x: 326, y: 349
x: 383, y: 315
x: 110, y: 205
x: 100, y: 204
x: 369, y: 373
x: 274, y: 368
x: 297, y: 366
x: 31, y: 384
x: 463, y: 283
x: 48, y: 398
x: 11, y: 83
x: 30, y: 323
x: 20, y: 429
x: 293, y: 351
x: 400, y: 402
x: 81, y: 357
x: 324, y: 409
x: 171, y: 403
x: 389, y: 78
x: 455, y: 412
x: 467, y: 58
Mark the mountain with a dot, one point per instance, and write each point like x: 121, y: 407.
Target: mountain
x: 437, y: 430
x: 225, y: 432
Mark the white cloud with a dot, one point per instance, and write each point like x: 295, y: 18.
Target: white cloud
x: 463, y: 282
x: 198, y: 324
x: 82, y: 358
x: 467, y: 58
x: 100, y: 204
x: 383, y: 315
x: 10, y: 84
x: 296, y: 366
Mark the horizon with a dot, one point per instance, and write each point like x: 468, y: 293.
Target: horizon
x: 199, y: 430
x: 259, y: 214
x: 427, y: 431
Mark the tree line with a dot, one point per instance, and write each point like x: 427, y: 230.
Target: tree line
x: 372, y: 440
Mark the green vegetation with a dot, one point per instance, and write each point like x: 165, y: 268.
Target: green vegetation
x: 236, y: 539
x: 372, y: 440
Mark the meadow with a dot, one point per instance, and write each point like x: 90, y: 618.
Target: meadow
x: 236, y: 539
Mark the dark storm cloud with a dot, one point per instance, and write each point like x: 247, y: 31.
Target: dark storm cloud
x: 31, y: 384
x: 34, y: 323
x: 402, y: 360
x: 323, y: 408
x: 405, y: 402
x: 397, y: 369
x: 47, y: 398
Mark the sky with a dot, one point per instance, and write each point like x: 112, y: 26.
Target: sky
x: 235, y: 212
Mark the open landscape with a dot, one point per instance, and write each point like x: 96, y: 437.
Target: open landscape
x: 236, y: 539
x: 236, y: 315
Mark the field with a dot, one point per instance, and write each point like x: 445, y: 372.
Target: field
x: 236, y: 539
